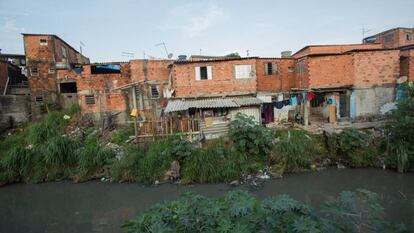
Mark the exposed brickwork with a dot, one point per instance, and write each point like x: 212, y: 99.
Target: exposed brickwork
x: 223, y: 79
x: 333, y: 49
x: 330, y: 71
x: 280, y: 80
x: 152, y: 70
x: 395, y: 37
x: 376, y: 68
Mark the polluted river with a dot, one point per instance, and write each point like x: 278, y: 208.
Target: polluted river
x: 103, y: 207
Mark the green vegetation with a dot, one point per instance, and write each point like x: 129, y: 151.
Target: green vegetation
x: 49, y: 150
x: 294, y: 150
x: 238, y: 211
x: 400, y: 131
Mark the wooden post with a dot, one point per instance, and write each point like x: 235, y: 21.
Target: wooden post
x: 134, y: 100
x: 306, y: 113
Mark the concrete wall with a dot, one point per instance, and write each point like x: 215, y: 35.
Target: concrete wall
x: 369, y: 101
x: 13, y: 107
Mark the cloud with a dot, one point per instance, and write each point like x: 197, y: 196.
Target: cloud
x: 194, y: 19
x: 9, y: 26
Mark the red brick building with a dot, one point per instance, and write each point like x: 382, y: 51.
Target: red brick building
x: 45, y: 55
x: 393, y: 38
x: 357, y: 79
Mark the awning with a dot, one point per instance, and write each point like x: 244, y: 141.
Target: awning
x: 183, y: 105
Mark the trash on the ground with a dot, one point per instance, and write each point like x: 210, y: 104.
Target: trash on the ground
x: 234, y: 183
x: 66, y: 117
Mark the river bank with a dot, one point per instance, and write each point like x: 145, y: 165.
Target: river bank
x: 102, y: 207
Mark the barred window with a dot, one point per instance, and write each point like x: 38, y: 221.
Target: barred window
x: 89, y: 99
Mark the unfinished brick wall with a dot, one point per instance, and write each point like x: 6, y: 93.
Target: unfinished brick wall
x: 330, y: 71
x: 223, y: 79
x: 281, y: 80
x: 395, y: 38
x: 376, y: 68
x: 301, y: 78
x: 102, y: 87
x: 333, y: 49
x: 150, y: 70
x: 407, y: 64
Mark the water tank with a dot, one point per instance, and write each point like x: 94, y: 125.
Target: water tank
x: 182, y: 57
x: 286, y: 53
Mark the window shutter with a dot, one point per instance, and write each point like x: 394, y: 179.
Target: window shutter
x: 209, y: 73
x: 197, y: 73
x: 266, y: 68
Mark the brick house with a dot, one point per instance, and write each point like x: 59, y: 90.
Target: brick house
x: 392, y: 38
x: 356, y: 80
x: 46, y: 54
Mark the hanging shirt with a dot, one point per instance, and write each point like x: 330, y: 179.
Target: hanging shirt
x: 293, y: 101
x: 279, y: 104
x: 311, y: 96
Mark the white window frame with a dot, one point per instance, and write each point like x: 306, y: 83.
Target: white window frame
x: 51, y: 70
x: 243, y: 71
x: 198, y: 73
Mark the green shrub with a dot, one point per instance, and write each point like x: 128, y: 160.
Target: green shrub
x: 127, y: 167
x: 93, y: 158
x: 249, y: 137
x: 294, y: 150
x: 122, y: 134
x: 400, y: 131
x: 238, y: 211
x: 156, y: 161
x: 356, y: 149
x: 211, y: 164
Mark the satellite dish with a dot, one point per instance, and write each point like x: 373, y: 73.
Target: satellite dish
x: 170, y: 55
x: 402, y: 79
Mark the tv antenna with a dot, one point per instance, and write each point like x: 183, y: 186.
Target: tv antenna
x: 364, y: 30
x: 80, y: 46
x: 127, y: 54
x: 169, y: 55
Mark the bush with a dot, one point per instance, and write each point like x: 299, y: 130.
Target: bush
x: 294, y: 150
x: 239, y: 211
x: 356, y: 149
x: 400, y: 131
x: 211, y: 164
x: 156, y: 161
x: 93, y: 159
x: 127, y: 167
x: 122, y: 134
x: 249, y: 137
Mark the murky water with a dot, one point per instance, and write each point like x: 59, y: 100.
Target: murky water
x: 103, y: 207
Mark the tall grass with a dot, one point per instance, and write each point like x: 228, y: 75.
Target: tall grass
x: 93, y: 160
x: 294, y: 150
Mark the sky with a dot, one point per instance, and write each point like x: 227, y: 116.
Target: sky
x: 125, y: 29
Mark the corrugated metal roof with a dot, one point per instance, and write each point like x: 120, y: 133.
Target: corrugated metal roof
x: 176, y: 106
x: 247, y: 101
x: 182, y: 105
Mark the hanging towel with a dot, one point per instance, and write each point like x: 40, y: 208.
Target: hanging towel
x: 293, y: 101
